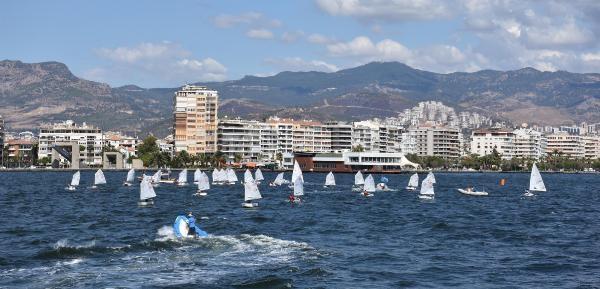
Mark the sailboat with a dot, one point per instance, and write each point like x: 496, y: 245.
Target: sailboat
x: 130, y: 178
x: 359, y: 182
x: 231, y: 177
x: 298, y: 190
x: 279, y: 180
x: 74, y: 181
x: 413, y: 182
x: 203, y: 185
x: 382, y: 185
x: 369, y: 186
x: 248, y: 176
x: 251, y: 193
x: 182, y: 178
x: 147, y: 193
x: 427, y: 192
x: 197, y: 174
x: 536, y: 183
x: 155, y: 180
x: 329, y: 180
x: 99, y: 179
x: 258, y: 176
x: 296, y: 173
x: 215, y: 176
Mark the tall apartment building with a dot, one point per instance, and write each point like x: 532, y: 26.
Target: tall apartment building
x: 377, y: 137
x: 196, y: 119
x: 240, y: 137
x: 341, y: 135
x: 88, y: 137
x: 529, y: 143
x: 484, y: 141
x: 437, y: 141
x: 569, y: 145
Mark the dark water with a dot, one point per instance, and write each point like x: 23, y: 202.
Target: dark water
x: 51, y: 238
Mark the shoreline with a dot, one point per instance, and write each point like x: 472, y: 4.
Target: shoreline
x: 14, y: 170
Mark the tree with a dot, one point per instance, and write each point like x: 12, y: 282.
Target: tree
x: 237, y: 158
x: 358, y: 148
x: 149, y: 152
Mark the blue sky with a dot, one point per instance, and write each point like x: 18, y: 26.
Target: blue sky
x: 169, y: 43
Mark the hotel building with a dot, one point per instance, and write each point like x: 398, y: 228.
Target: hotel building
x: 565, y: 143
x: 483, y: 142
x: 195, y: 129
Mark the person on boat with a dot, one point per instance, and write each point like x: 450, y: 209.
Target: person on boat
x: 292, y: 198
x: 191, y: 223
x: 365, y: 193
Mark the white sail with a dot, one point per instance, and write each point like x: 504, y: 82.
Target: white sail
x: 156, y: 177
x: 222, y: 176
x: 370, y: 184
x: 203, y: 183
x: 330, y: 179
x: 182, y: 179
x: 146, y: 189
x: 130, y: 176
x: 358, y: 179
x: 231, y: 176
x: 248, y: 176
x: 535, y: 180
x: 299, y: 186
x: 432, y: 177
x: 75, y: 179
x: 279, y: 179
x: 99, y: 178
x: 414, y: 181
x: 258, y: 175
x: 427, y: 185
x: 251, y: 191
x: 215, y: 176
x: 297, y: 172
x: 197, y: 175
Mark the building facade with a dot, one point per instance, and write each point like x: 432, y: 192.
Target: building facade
x: 1, y: 141
x: 436, y: 141
x: 89, y: 139
x: 529, y: 144
x: 196, y: 119
x: 566, y: 144
x: 485, y: 141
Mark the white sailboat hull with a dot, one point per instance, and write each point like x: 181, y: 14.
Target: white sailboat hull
x: 249, y: 205
x: 146, y: 203
x: 473, y: 193
x: 411, y: 188
x: 426, y: 197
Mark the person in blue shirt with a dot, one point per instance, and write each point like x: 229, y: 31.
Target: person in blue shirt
x: 191, y: 223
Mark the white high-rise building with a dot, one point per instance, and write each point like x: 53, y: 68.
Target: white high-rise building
x: 484, y: 142
x: 565, y: 143
x: 529, y: 143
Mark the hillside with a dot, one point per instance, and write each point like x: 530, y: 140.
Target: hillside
x: 43, y: 92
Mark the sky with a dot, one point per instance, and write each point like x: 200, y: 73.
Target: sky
x: 170, y: 43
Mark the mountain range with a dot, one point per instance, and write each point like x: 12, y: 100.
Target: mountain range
x: 34, y: 93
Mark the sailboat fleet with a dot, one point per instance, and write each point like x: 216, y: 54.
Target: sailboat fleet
x: 366, y: 186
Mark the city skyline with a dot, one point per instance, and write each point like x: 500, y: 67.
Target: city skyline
x: 169, y: 45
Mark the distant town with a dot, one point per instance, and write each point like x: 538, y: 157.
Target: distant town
x: 430, y: 135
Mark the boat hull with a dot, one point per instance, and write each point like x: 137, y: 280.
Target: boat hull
x: 472, y: 193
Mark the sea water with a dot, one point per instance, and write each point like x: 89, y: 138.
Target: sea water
x: 52, y: 238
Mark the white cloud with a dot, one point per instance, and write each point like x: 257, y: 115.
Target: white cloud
x: 363, y: 47
x: 155, y: 65
x: 291, y: 36
x: 567, y: 34
x: 259, y: 34
x: 375, y: 10
x: 252, y: 19
x: 319, y: 39
x: 299, y: 64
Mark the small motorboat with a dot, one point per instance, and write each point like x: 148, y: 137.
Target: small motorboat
x: 472, y: 192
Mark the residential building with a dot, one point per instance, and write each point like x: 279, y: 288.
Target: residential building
x: 127, y: 145
x: 529, y: 143
x: 437, y: 141
x: 485, y: 141
x: 565, y: 143
x: 240, y: 137
x: 196, y: 119
x: 341, y: 135
x: 591, y: 146
x: 89, y: 139
x: 20, y: 152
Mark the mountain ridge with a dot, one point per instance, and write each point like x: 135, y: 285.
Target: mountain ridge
x: 31, y: 93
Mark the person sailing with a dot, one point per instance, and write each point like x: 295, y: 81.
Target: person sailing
x: 191, y: 223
